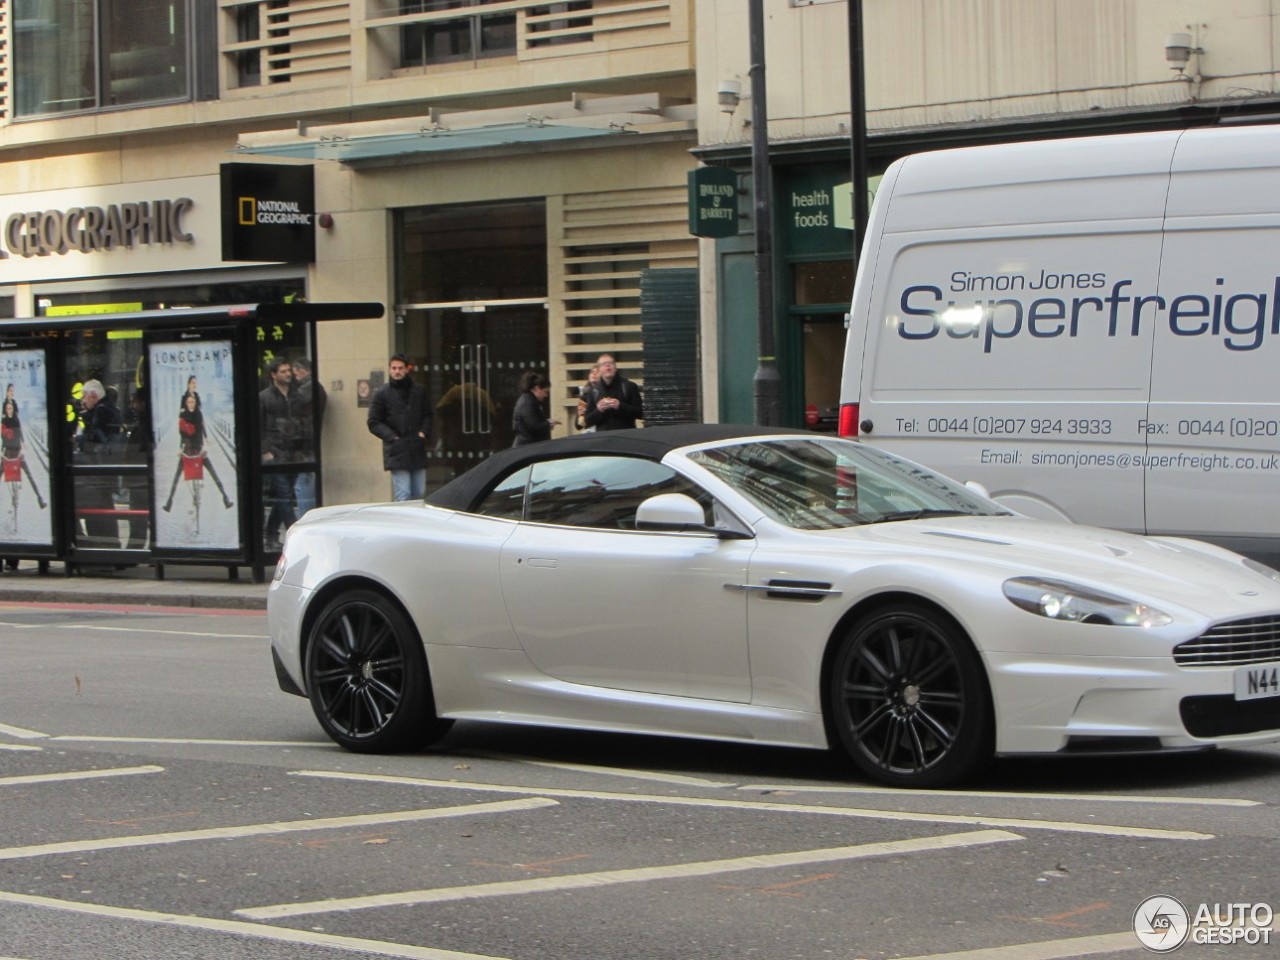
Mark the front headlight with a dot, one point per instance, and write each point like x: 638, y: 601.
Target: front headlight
x: 1058, y: 600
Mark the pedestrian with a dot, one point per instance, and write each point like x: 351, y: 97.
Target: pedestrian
x: 530, y: 421
x: 311, y: 400
x: 617, y: 403
x: 587, y: 397
x: 279, y: 430
x: 400, y: 417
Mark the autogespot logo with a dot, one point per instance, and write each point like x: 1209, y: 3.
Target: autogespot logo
x: 1161, y: 924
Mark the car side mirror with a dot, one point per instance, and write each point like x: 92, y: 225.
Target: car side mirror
x: 672, y: 512
x: 977, y: 488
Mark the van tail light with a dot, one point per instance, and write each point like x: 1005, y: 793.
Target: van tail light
x: 848, y: 419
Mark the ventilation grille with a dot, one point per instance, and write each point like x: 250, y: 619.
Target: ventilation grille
x: 1256, y: 640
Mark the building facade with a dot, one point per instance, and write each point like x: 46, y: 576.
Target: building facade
x: 936, y: 74
x: 510, y: 176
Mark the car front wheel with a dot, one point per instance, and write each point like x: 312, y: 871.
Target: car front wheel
x: 367, y: 676
x: 908, y: 698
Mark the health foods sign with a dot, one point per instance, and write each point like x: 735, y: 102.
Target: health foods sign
x: 268, y: 213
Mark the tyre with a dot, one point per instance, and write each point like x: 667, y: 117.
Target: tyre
x: 908, y: 699
x: 367, y: 676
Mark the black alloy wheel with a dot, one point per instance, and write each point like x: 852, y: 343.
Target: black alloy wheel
x: 909, y: 699
x: 367, y: 676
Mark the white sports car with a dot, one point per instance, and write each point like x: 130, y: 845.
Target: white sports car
x: 738, y: 583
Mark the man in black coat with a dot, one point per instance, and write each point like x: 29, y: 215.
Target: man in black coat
x: 278, y: 417
x: 400, y: 417
x: 617, y: 404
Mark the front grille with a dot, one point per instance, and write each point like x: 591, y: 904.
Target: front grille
x: 1224, y: 716
x: 1256, y: 640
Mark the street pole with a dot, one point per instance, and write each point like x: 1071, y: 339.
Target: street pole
x: 766, y: 383
x: 857, y: 128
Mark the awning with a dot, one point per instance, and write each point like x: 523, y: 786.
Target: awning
x: 440, y: 133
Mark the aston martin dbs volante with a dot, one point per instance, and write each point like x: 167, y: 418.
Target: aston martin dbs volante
x: 739, y: 583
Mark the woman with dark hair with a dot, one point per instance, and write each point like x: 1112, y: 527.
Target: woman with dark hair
x: 13, y: 462
x: 192, y: 459
x: 191, y: 391
x: 529, y: 420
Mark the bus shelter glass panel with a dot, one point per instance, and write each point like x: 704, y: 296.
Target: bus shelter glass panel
x: 108, y: 432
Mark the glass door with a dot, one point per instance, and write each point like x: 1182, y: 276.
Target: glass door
x: 470, y: 359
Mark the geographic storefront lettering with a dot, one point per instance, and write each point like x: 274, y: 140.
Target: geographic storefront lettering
x: 38, y: 233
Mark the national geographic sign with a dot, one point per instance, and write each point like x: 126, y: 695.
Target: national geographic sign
x: 268, y: 213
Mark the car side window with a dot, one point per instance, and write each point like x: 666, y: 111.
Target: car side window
x: 506, y: 500
x: 602, y: 492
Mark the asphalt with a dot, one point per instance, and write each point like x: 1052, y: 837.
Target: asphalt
x: 182, y: 585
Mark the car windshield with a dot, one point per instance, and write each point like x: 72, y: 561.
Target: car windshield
x: 826, y: 483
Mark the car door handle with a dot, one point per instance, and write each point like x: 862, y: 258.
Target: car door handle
x: 782, y: 589
x: 540, y: 562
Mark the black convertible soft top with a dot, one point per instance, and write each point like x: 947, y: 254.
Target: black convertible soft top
x: 648, y: 443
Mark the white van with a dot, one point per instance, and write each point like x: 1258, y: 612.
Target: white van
x: 1090, y: 328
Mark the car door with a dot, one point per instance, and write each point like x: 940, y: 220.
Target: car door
x: 595, y: 601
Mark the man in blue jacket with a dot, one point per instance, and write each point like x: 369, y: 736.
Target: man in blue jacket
x: 400, y: 417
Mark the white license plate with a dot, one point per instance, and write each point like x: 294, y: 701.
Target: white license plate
x: 1254, y: 683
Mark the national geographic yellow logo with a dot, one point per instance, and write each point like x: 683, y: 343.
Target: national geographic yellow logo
x: 254, y: 212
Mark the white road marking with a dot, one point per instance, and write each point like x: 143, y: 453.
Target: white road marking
x: 1065, y: 826
x: 15, y: 748
x: 102, y: 628
x: 77, y: 775
x: 21, y: 733
x: 1050, y: 949
x: 271, y: 829
x: 607, y: 771
x: 996, y: 795
x: 328, y: 744
x: 675, y: 871
x: 241, y: 928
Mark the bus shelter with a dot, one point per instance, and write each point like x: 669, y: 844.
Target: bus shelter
x: 144, y: 438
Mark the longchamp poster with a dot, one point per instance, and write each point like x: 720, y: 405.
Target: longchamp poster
x: 195, y: 467
x: 25, y: 511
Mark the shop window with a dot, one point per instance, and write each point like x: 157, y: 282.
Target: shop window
x: 470, y: 35
x: 822, y: 282
x: 77, y: 55
x: 473, y: 252
x: 6, y: 308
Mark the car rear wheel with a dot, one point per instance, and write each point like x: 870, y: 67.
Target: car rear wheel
x: 367, y: 676
x: 909, y: 701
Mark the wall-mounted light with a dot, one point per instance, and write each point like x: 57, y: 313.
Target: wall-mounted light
x: 1179, y: 48
x: 729, y: 94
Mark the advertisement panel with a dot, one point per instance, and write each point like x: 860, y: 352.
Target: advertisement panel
x: 268, y: 213
x: 195, y: 467
x: 25, y: 515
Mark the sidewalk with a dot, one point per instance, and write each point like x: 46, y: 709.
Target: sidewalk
x: 182, y: 586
